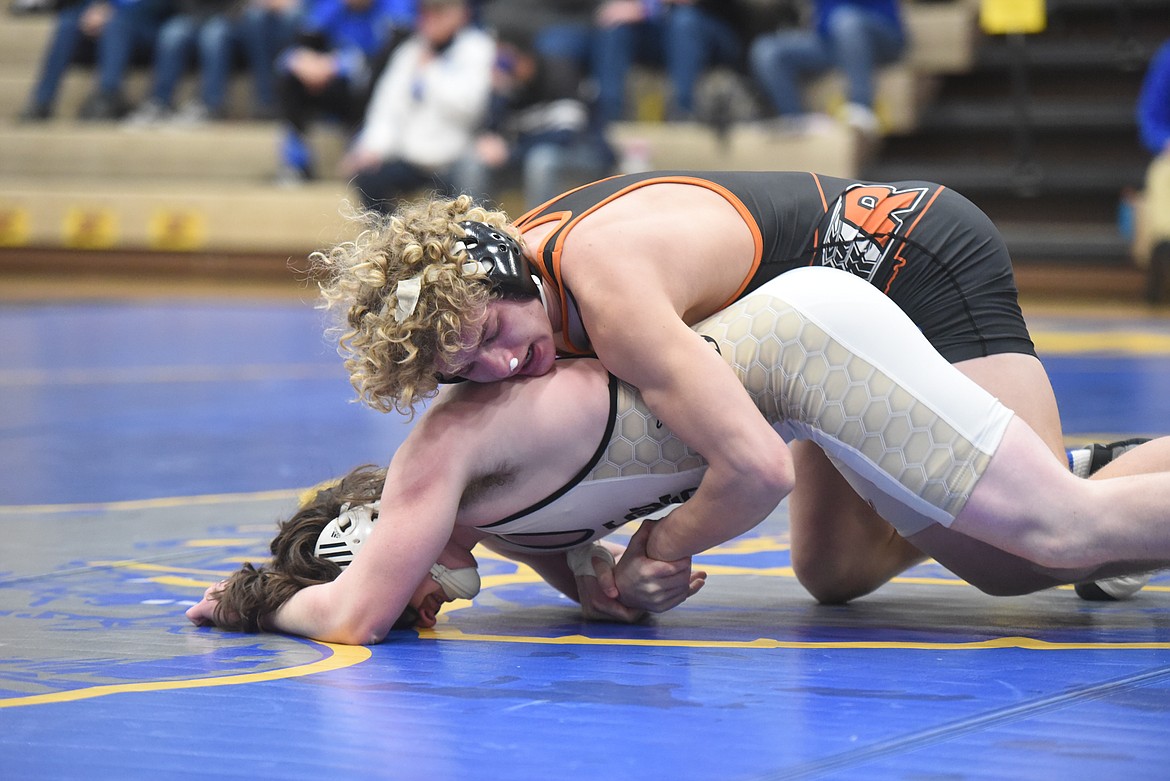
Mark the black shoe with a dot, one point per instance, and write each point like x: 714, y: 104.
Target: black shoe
x: 1104, y: 454
x: 1112, y: 589
x: 102, y: 107
x: 1124, y: 587
x: 34, y: 113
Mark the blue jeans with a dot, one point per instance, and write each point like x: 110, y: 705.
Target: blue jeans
x: 264, y: 34
x: 858, y: 43
x: 64, y: 47
x: 259, y: 33
x: 131, y: 31
x: 546, y: 170
x: 685, y: 39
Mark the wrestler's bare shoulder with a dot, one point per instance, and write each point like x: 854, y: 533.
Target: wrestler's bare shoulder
x: 524, y: 438
x: 525, y: 414
x: 687, y: 209
x: 669, y: 233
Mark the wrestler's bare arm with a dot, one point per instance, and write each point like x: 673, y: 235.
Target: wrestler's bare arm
x: 589, y: 592
x: 419, y: 504
x: 638, y: 333
x: 480, y: 453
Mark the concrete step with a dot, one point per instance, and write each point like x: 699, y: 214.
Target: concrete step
x: 235, y: 151
x: 167, y: 215
x: 832, y: 150
x: 17, y: 82
x: 23, y: 38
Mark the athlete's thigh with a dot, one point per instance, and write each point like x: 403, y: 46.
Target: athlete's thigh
x: 1021, y: 383
x: 841, y: 548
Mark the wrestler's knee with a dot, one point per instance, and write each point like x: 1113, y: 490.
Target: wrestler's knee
x: 834, y: 576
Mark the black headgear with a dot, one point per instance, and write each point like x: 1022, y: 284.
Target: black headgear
x: 500, y: 257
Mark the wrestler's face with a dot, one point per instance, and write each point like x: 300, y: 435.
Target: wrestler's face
x: 514, y: 339
x: 428, y: 599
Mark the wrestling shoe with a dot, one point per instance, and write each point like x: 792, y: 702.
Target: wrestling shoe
x: 1112, y: 589
x: 1088, y: 460
x: 1085, y: 461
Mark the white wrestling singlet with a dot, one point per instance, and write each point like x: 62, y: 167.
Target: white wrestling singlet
x: 826, y: 357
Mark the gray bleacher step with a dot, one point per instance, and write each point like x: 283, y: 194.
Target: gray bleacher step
x: 170, y: 215
x: 23, y: 39
x: 238, y: 151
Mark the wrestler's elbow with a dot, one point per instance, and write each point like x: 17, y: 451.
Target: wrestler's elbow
x: 359, y: 633
x: 357, y: 626
x: 771, y: 468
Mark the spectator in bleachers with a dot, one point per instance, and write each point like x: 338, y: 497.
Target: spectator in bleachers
x: 684, y: 36
x: 1154, y: 103
x: 539, y: 126
x: 329, y: 70
x: 112, y: 34
x: 854, y: 36
x: 425, y: 107
x: 219, y: 30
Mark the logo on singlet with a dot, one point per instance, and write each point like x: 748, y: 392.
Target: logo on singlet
x: 642, y: 511
x: 863, y: 225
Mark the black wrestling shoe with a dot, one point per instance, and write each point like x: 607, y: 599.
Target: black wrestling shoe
x: 1124, y: 586
x: 1104, y: 454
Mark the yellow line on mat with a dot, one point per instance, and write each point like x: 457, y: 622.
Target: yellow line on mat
x: 341, y: 656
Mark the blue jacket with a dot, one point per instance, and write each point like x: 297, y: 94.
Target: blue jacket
x: 1154, y: 102
x: 884, y: 8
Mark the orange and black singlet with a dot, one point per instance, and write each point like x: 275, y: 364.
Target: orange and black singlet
x: 932, y: 251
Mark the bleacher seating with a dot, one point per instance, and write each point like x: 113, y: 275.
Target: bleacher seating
x: 70, y: 185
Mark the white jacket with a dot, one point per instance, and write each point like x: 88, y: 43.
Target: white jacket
x: 427, y: 114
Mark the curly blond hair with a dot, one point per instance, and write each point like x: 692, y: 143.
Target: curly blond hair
x: 391, y: 364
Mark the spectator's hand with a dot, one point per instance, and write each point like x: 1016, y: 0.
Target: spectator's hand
x: 313, y: 69
x: 94, y: 19
x: 617, y: 12
x: 649, y: 584
x: 491, y: 149
x: 357, y: 160
x: 203, y: 614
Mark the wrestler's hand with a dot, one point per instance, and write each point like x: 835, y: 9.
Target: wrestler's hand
x: 649, y: 584
x: 598, y: 606
x: 203, y: 614
x: 599, y: 597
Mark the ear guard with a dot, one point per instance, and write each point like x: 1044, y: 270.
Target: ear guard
x: 499, y: 256
x: 342, y: 537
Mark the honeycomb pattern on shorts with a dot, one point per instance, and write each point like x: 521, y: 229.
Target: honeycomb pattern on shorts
x: 640, y: 445
x: 820, y: 383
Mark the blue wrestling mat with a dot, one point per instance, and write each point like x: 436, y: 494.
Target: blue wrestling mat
x: 149, y: 449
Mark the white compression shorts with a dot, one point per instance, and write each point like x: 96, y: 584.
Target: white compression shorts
x: 828, y: 357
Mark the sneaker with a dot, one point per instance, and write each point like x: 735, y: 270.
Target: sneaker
x: 194, y: 113
x: 862, y: 119
x: 102, y: 107
x: 34, y: 113
x: 1112, y: 589
x: 149, y: 113
x: 1088, y: 460
x: 290, y: 176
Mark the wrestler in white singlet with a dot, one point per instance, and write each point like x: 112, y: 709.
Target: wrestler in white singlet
x: 826, y: 357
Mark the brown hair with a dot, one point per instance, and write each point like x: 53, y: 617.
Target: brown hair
x: 391, y: 364
x: 252, y: 593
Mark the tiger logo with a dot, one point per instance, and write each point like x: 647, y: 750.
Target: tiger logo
x: 863, y: 224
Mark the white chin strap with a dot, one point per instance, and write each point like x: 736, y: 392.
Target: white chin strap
x: 462, y: 583
x: 540, y: 290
